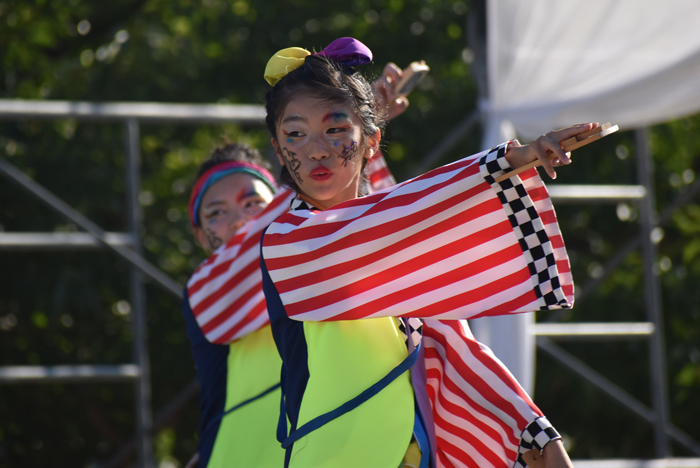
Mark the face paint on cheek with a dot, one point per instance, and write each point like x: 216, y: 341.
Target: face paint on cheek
x: 289, y: 138
x: 293, y: 164
x: 214, y: 240
x: 348, y: 153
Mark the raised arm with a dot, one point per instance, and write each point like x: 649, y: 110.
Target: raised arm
x: 449, y: 244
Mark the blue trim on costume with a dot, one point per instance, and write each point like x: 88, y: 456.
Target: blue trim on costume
x: 241, y: 404
x: 211, y: 361
x: 291, y: 344
x: 422, y: 439
x: 320, y: 421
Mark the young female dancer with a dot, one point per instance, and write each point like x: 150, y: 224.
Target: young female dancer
x: 238, y: 366
x: 233, y: 187
x: 451, y: 244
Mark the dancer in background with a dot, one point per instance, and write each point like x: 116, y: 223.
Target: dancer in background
x: 238, y: 366
x: 451, y: 244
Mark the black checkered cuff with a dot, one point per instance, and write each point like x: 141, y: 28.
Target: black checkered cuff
x: 536, y: 435
x: 528, y: 227
x: 494, y: 163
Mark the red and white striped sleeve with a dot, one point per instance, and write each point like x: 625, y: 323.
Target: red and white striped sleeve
x: 225, y: 292
x: 482, y: 416
x: 449, y: 244
x: 378, y: 173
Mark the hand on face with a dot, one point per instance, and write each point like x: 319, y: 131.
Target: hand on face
x: 321, y: 145
x: 227, y: 205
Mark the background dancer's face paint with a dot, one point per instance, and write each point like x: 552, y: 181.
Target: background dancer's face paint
x: 320, y: 142
x: 227, y: 205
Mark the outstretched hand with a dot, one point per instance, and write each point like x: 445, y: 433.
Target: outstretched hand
x: 547, y: 148
x: 389, y: 104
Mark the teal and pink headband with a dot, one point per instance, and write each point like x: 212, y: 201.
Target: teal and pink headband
x: 346, y: 50
x: 217, y: 173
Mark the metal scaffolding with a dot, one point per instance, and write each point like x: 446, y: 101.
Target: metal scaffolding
x: 127, y: 246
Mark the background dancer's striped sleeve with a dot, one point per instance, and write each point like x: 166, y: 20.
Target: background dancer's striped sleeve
x: 225, y: 292
x: 378, y: 173
x: 449, y: 244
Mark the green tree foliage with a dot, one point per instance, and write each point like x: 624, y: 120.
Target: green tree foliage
x: 594, y: 234
x: 73, y: 307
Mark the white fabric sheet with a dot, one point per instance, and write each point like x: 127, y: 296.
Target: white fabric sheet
x: 554, y: 63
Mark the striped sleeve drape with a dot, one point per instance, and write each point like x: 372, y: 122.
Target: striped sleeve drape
x: 225, y: 292
x: 479, y: 410
x: 450, y: 244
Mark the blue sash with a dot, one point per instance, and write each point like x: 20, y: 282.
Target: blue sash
x: 243, y: 403
x: 319, y: 421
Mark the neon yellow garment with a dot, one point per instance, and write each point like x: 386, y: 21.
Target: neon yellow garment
x: 344, y: 359
x: 246, y: 437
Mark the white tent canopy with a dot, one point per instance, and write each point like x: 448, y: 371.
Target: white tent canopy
x: 554, y: 63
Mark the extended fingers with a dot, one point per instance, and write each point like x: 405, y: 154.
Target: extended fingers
x: 553, y: 145
x: 385, y: 84
x: 556, y: 162
x: 392, y: 72
x: 385, y: 88
x: 568, y: 132
x: 543, y: 148
x: 397, y: 107
x: 548, y: 150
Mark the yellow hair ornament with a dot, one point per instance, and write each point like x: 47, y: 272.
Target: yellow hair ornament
x: 283, y: 62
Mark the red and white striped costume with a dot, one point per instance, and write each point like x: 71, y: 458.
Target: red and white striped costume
x: 451, y: 244
x: 439, y: 246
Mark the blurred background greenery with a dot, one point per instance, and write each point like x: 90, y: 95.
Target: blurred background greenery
x: 72, y: 307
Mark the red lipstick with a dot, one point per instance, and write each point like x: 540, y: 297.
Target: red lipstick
x: 320, y: 173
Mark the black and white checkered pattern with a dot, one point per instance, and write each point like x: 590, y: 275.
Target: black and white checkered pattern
x: 536, y: 435
x: 528, y: 227
x: 299, y: 204
x: 416, y: 329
